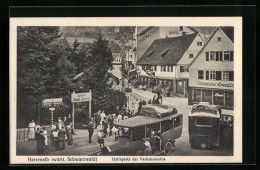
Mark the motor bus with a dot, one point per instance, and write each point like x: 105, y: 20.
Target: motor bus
x: 204, y: 125
x: 161, y: 125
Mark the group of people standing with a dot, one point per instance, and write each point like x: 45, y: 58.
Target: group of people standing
x: 105, y: 123
x: 39, y: 134
x: 61, y: 133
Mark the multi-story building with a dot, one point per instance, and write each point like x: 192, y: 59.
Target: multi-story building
x: 146, y: 35
x: 211, y: 72
x: 167, y: 58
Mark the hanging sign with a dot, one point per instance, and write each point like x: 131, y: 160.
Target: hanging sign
x: 51, y: 102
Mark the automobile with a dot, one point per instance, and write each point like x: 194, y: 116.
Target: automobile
x: 204, y: 125
x: 159, y: 124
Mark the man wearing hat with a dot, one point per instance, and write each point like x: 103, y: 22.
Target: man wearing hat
x: 90, y: 131
x: 60, y: 122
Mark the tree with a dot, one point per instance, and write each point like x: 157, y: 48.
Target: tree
x: 43, y: 70
x: 95, y: 62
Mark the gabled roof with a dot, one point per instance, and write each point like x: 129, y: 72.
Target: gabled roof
x: 176, y: 47
x: 217, y: 28
x: 204, y: 31
x: 229, y: 31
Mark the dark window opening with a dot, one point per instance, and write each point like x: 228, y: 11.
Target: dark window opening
x: 181, y: 28
x: 182, y: 69
x: 219, y: 38
x: 207, y: 75
x: 200, y: 74
x: 167, y: 125
x: 191, y: 55
x: 177, y: 121
x: 231, y: 76
x: 218, y: 75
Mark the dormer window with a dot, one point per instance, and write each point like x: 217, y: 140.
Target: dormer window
x: 219, y: 38
x: 150, y: 54
x: 164, y: 52
x: 191, y: 55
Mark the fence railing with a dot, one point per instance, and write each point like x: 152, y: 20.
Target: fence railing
x: 22, y: 134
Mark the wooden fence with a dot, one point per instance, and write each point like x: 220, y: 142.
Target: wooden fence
x: 22, y: 134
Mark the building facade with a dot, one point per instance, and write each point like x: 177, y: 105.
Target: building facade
x: 146, y: 36
x: 167, y: 58
x: 211, y: 73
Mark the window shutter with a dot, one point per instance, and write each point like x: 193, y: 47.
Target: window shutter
x: 217, y: 55
x: 207, y: 56
x: 221, y: 56
x: 231, y: 55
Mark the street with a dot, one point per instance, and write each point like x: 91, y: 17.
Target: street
x: 82, y: 147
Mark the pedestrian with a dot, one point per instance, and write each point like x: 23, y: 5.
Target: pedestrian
x: 69, y: 134
x: 105, y: 125
x: 60, y: 122
x: 55, y: 135
x: 69, y: 120
x: 100, y: 127
x: 66, y: 123
x: 102, y: 116
x: 101, y: 139
x: 45, y: 137
x: 37, y: 133
x: 41, y: 142
x: 148, y: 149
x: 31, y: 126
x: 119, y: 117
x: 61, y: 138
x: 90, y: 131
x: 152, y: 141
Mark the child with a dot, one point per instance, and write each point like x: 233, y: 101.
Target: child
x: 100, y: 138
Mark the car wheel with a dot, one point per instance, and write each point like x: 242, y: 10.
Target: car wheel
x: 167, y: 148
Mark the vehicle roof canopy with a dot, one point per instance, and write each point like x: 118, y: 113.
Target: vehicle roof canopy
x: 203, y: 110
x: 141, y: 121
x: 158, y: 110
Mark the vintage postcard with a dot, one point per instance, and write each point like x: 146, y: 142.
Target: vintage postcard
x: 125, y: 90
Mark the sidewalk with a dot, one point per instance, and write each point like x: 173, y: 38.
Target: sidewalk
x: 80, y: 145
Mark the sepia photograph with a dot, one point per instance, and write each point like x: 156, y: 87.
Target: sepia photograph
x: 96, y: 92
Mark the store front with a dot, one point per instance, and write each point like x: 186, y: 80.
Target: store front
x: 223, y: 98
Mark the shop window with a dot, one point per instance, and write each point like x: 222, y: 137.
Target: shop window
x: 182, y: 68
x: 191, y: 55
x: 207, y: 95
x: 212, y: 75
x: 200, y: 74
x: 197, y: 95
x: 207, y: 75
x: 218, y: 75
x: 225, y: 75
x: 231, y: 75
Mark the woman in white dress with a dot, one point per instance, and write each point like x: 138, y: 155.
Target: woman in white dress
x: 31, y: 126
